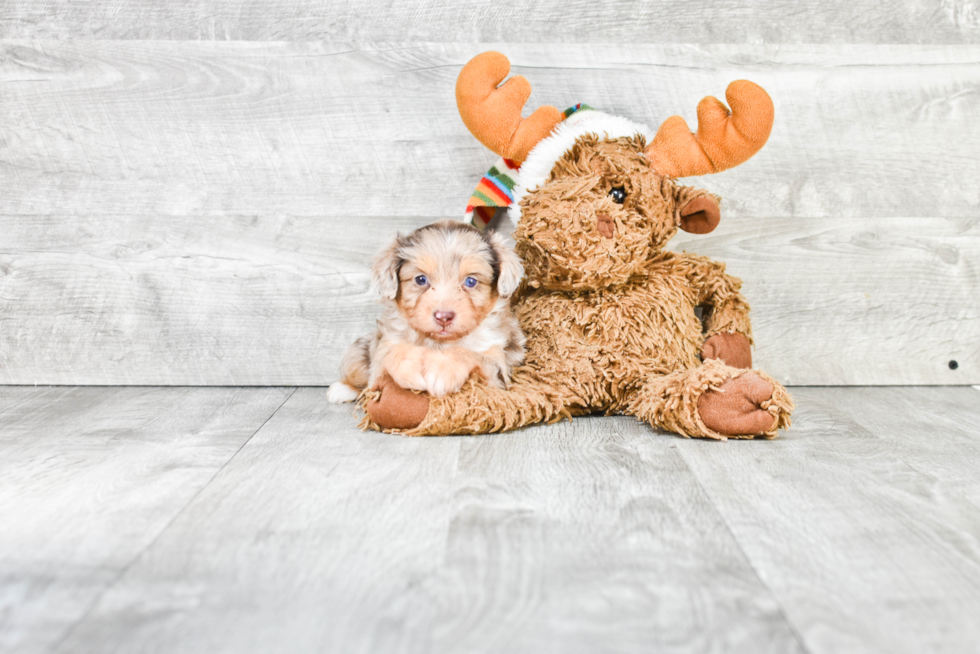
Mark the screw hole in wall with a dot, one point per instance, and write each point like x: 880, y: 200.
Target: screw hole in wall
x: 953, y: 365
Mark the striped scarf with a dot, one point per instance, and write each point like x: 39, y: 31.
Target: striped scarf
x: 496, y: 188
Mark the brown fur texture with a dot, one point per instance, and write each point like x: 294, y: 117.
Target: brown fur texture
x: 447, y: 315
x: 611, y: 318
x: 610, y: 322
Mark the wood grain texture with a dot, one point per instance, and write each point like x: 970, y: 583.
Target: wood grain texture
x: 593, y: 537
x: 257, y: 300
x: 204, y: 213
x: 90, y: 478
x: 856, y: 530
x: 166, y: 128
x: 275, y: 300
x: 320, y: 538
x: 844, y: 302
x: 933, y: 430
x: 862, y: 519
x: 575, y: 21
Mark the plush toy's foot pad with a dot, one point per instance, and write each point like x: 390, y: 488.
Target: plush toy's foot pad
x: 733, y: 349
x: 395, y: 407
x: 739, y: 407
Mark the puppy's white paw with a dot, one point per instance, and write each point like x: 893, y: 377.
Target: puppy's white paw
x: 406, y: 369
x: 340, y: 392
x: 445, y: 374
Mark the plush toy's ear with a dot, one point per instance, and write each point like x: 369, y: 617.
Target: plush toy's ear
x: 698, y: 212
x: 384, y: 271
x: 511, y: 268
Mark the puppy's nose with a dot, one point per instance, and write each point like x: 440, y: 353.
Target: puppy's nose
x: 605, y: 225
x: 444, y: 317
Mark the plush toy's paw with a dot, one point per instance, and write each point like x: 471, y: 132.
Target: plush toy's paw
x: 733, y: 349
x: 396, y: 407
x: 740, y: 407
x: 445, y: 373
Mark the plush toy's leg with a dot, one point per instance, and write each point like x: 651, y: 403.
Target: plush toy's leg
x: 714, y: 401
x: 476, y: 409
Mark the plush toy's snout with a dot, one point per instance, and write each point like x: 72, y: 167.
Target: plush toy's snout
x: 605, y: 225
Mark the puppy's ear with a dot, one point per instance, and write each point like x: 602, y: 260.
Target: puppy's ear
x: 511, y: 268
x: 385, y: 269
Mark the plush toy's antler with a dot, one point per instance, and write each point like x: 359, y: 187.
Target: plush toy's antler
x: 493, y: 114
x: 724, y: 139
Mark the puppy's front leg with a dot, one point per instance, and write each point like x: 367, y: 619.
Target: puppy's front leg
x: 494, y: 368
x: 446, y: 371
x: 406, y: 365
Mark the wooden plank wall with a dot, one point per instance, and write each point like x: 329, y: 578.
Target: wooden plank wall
x: 191, y: 192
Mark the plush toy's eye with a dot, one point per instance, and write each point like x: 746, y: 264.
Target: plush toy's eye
x: 618, y: 195
x: 470, y: 282
x: 421, y: 280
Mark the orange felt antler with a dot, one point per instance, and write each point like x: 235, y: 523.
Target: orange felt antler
x: 493, y: 115
x: 724, y: 139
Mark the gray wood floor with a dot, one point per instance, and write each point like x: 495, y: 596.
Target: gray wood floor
x: 261, y: 520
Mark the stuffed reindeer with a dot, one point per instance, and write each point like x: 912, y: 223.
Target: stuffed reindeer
x: 610, y: 316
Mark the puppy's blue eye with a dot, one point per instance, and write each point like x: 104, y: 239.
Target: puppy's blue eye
x: 470, y: 282
x: 421, y: 280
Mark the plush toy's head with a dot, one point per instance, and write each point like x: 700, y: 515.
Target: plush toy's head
x: 592, y: 195
x: 600, y: 216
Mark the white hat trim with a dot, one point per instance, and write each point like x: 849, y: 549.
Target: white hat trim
x: 537, y: 167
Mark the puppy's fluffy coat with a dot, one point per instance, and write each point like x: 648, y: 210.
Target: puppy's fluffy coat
x: 446, y: 290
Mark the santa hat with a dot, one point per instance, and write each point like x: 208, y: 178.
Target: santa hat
x: 503, y: 186
x: 531, y: 146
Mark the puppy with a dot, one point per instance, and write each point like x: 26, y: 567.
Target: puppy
x: 446, y: 290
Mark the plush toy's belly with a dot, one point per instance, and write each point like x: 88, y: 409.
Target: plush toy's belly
x: 603, y: 343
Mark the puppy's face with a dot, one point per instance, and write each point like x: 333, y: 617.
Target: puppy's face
x: 446, y: 277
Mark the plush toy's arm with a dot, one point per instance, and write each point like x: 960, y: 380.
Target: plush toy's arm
x: 477, y: 408
x: 727, y: 330
x: 728, y: 311
x: 725, y: 307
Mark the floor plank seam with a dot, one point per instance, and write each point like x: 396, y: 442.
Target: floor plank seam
x: 779, y: 605
x: 122, y: 572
